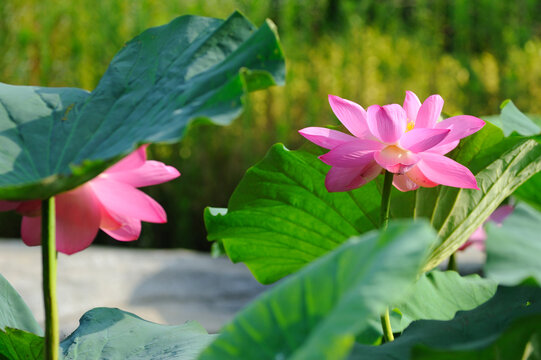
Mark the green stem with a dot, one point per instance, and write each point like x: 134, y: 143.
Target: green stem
x: 452, y: 265
x: 384, y: 222
x: 386, y: 200
x: 386, y: 326
x: 48, y: 253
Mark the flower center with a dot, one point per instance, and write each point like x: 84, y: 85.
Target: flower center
x: 410, y: 126
x: 396, y: 159
x: 395, y: 152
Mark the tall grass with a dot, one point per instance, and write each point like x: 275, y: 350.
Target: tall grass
x: 474, y: 53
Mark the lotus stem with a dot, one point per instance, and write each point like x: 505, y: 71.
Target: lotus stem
x: 384, y: 222
x: 48, y: 252
x: 386, y: 200
x: 386, y: 326
x: 452, y: 265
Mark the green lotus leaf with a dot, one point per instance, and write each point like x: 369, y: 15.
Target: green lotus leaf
x: 437, y: 295
x: 499, y: 329
x: 18, y: 344
x: 194, y: 68
x: 513, y: 248
x: 317, y: 312
x: 14, y: 313
x: 105, y: 333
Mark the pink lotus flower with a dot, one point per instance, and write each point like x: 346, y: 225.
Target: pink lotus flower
x: 479, y: 236
x: 109, y: 202
x: 407, y: 141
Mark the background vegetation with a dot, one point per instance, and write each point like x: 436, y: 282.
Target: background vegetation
x: 474, y: 53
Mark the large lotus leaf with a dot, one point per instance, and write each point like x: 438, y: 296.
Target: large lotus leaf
x: 511, y: 119
x: 316, y: 313
x: 281, y: 217
x: 499, y: 329
x: 17, y: 344
x: 437, y: 295
x: 106, y: 333
x: 54, y: 139
x: 514, y: 248
x: 14, y: 313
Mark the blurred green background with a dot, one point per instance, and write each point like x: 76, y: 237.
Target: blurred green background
x: 474, y: 53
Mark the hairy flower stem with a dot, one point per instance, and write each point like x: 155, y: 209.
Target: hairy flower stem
x: 384, y: 221
x: 48, y: 253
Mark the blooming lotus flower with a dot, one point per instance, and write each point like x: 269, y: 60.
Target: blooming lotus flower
x: 109, y: 202
x: 479, y: 236
x: 407, y: 141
